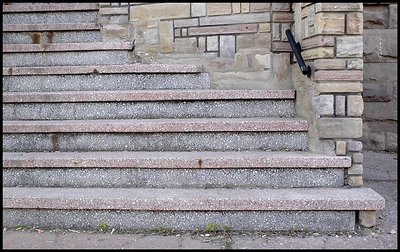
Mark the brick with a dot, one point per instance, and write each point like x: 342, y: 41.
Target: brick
x: 260, y: 7
x: 355, y: 169
x: 212, y: 43
x: 355, y: 181
x: 339, y: 87
x: 318, y: 41
x: 367, y: 218
x: 349, y: 46
x: 358, y: 158
x: 280, y: 6
x: 393, y: 16
x: 186, y: 22
x: 236, y: 7
x: 235, y: 19
x: 226, y: 29
x: 340, y: 148
x: 329, y: 23
x: 166, y: 36
x: 218, y: 9
x: 332, y: 64
x: 227, y: 46
x: 329, y: 7
x: 318, y: 53
x: 340, y: 105
x: 198, y: 9
x: 355, y: 64
x: 286, y: 17
x: 160, y: 11
x: 245, y: 7
x: 264, y: 27
x: 354, y: 24
x: 276, y: 32
x: 338, y: 75
x: 355, y: 105
x: 354, y: 145
x: 339, y: 127
x: 257, y: 41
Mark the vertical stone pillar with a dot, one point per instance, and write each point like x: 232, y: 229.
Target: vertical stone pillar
x: 331, y: 38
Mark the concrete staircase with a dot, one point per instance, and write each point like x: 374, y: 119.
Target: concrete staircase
x: 90, y: 137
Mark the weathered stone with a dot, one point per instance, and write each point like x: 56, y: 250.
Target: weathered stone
x: 338, y: 7
x: 321, y: 64
x: 184, y: 32
x: 349, y: 46
x: 178, y: 32
x: 376, y: 17
x: 235, y: 19
x: 354, y: 23
x: 227, y: 46
x: 278, y: 46
x: 235, y: 7
x: 264, y: 27
x: 119, y: 19
x: 355, y: 105
x: 186, y: 22
x: 354, y: 145
x: 391, y: 141
x: 318, y: 53
x: 323, y: 104
x: 339, y: 75
x: 212, y: 43
x: 340, y: 148
x: 260, y: 7
x: 339, y: 127
x: 202, y: 44
x: 355, y: 181
x: 282, y: 17
x: 306, y: 11
x: 393, y: 16
x: 329, y: 23
x: 318, y: 41
x: 380, y: 45
x: 198, y: 9
x: 159, y: 11
x: 262, y: 61
x: 381, y: 110
x: 367, y: 218
x: 276, y: 32
x: 284, y: 27
x: 339, y: 87
x: 281, y: 6
x: 355, y: 64
x: 245, y: 7
x: 166, y: 36
x: 218, y: 9
x: 355, y: 169
x: 185, y: 45
x: 380, y: 73
x: 113, y: 11
x: 358, y: 158
x: 378, y: 92
x: 340, y: 105
x: 257, y: 41
x: 374, y: 141
x: 224, y: 29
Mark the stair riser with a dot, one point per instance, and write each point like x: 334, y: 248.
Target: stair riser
x: 147, y: 110
x: 174, y: 178
x: 47, y: 83
x: 52, y: 37
x: 181, y: 220
x: 51, y: 17
x: 199, y: 141
x: 76, y: 58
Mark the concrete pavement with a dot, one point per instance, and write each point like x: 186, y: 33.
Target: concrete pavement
x: 380, y: 174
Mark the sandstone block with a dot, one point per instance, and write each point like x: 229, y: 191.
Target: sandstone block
x: 227, y: 46
x: 280, y: 6
x: 355, y: 169
x: 235, y: 19
x: 223, y: 29
x: 340, y: 148
x: 323, y: 64
x: 260, y: 7
x: 218, y: 9
x: 187, y: 45
x: 276, y: 32
x: 354, y: 24
x: 257, y: 41
x: 354, y: 145
x: 355, y: 181
x: 202, y: 44
x: 324, y: 104
x: 166, y: 36
x: 339, y: 87
x: 355, y: 64
x: 355, y: 105
x: 358, y: 158
x: 245, y: 7
x: 198, y: 9
x: 329, y: 23
x: 262, y: 61
x: 339, y: 127
x: 318, y: 41
x: 367, y: 218
x: 284, y: 27
x: 212, y: 43
x: 349, y: 46
x: 318, y: 53
x: 186, y: 22
x: 330, y: 7
x: 264, y: 27
x: 338, y: 75
x: 160, y: 11
x: 236, y: 7
x: 283, y: 17
x: 340, y: 105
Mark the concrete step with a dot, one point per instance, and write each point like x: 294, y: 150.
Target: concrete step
x: 195, y: 134
x: 147, y: 104
x: 104, y: 77
x: 50, y: 27
x: 48, y: 37
x: 67, y: 47
x: 253, y: 169
x: 51, y: 17
x: 46, y: 7
x: 316, y: 209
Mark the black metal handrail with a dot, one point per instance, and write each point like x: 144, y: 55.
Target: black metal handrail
x: 306, y: 70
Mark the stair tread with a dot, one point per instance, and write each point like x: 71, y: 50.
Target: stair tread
x: 51, y: 27
x: 63, y: 47
x: 144, y: 95
x: 159, y: 125
x: 171, y: 159
x: 154, y: 199
x: 104, y: 69
x: 45, y: 7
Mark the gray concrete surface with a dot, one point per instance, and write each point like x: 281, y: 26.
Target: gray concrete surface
x: 380, y: 171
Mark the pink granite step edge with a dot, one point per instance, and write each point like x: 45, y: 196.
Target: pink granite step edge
x: 104, y: 69
x: 174, y: 160
x: 144, y: 95
x: 50, y: 27
x: 63, y: 47
x: 293, y: 199
x: 158, y: 125
x: 26, y: 7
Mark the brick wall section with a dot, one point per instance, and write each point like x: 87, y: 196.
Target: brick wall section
x: 380, y: 76
x: 114, y: 21
x: 331, y: 36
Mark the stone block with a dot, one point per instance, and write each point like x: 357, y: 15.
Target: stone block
x: 339, y: 87
x: 354, y: 23
x: 376, y: 17
x: 276, y: 32
x: 159, y: 11
x: 349, y: 46
x: 280, y: 6
x: 187, y: 45
x: 355, y: 105
x: 245, y: 7
x: 235, y: 7
x: 357, y: 158
x: 380, y: 72
x: 331, y: 7
x: 198, y: 9
x: 218, y: 9
x: 227, y: 46
x: 354, y: 145
x: 340, y: 105
x: 355, y: 181
x: 324, y: 104
x: 338, y: 75
x: 329, y: 23
x: 340, y: 148
x: 235, y: 19
x: 393, y: 16
x: 212, y: 43
x: 324, y: 64
x: 340, y: 127
x: 202, y: 44
x: 178, y: 32
x: 256, y: 41
x: 119, y: 19
x: 374, y: 141
x: 262, y: 61
x: 264, y: 27
x: 355, y: 169
x: 318, y: 53
x: 260, y: 7
x: 367, y: 218
x: 318, y: 41
x: 223, y: 29
x: 186, y: 22
x: 355, y: 64
x: 184, y: 32
x: 283, y: 17
x: 166, y: 36
x: 380, y: 45
x: 284, y: 27
x: 391, y: 141
x: 381, y: 110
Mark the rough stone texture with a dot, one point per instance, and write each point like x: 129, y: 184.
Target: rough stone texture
x: 330, y: 75
x: 60, y: 47
x: 51, y: 17
x: 355, y: 181
x: 354, y: 145
x: 50, y: 27
x: 218, y: 9
x: 235, y: 19
x: 349, y: 46
x: 329, y: 23
x: 356, y: 64
x: 367, y: 218
x: 358, y: 158
x: 393, y: 16
x: 355, y: 105
x: 34, y: 7
x: 340, y: 148
x: 327, y: 64
x: 225, y: 29
x: 260, y: 7
x: 227, y: 46
x: 198, y: 9
x: 380, y: 45
x: 355, y: 169
x: 324, y: 104
x: 376, y: 16
x: 340, y: 127
x: 333, y: 7
x: 51, y: 37
x: 340, y: 105
x: 354, y: 23
x: 160, y: 11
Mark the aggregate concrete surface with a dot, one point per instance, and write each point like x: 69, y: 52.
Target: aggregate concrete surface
x: 380, y: 174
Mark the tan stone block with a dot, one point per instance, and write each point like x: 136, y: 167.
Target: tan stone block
x: 186, y: 45
x: 358, y: 158
x: 331, y: 64
x: 340, y: 148
x: 367, y: 218
x: 354, y: 24
x: 223, y: 29
x: 355, y: 181
x: 276, y: 32
x: 212, y: 43
x: 113, y: 11
x: 284, y: 27
x: 286, y: 17
x: 318, y: 53
x: 166, y: 31
x: 184, y: 32
x: 260, y: 7
x: 258, y: 41
x: 214, y: 9
x: 198, y: 9
x: 202, y: 44
x: 281, y: 47
x: 349, y: 46
x: 339, y: 87
x: 281, y: 6
x: 330, y: 7
x: 264, y: 27
x: 318, y: 41
x: 339, y: 127
x: 329, y: 23
x: 355, y: 169
x: 355, y: 105
x: 227, y: 46
x: 338, y: 75
x: 245, y: 7
x: 236, y: 7
x: 160, y: 11
x: 305, y: 11
x: 340, y: 105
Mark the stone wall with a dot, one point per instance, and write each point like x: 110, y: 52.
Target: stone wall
x: 331, y: 36
x: 380, y: 76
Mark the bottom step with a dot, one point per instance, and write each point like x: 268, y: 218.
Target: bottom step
x: 318, y: 209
